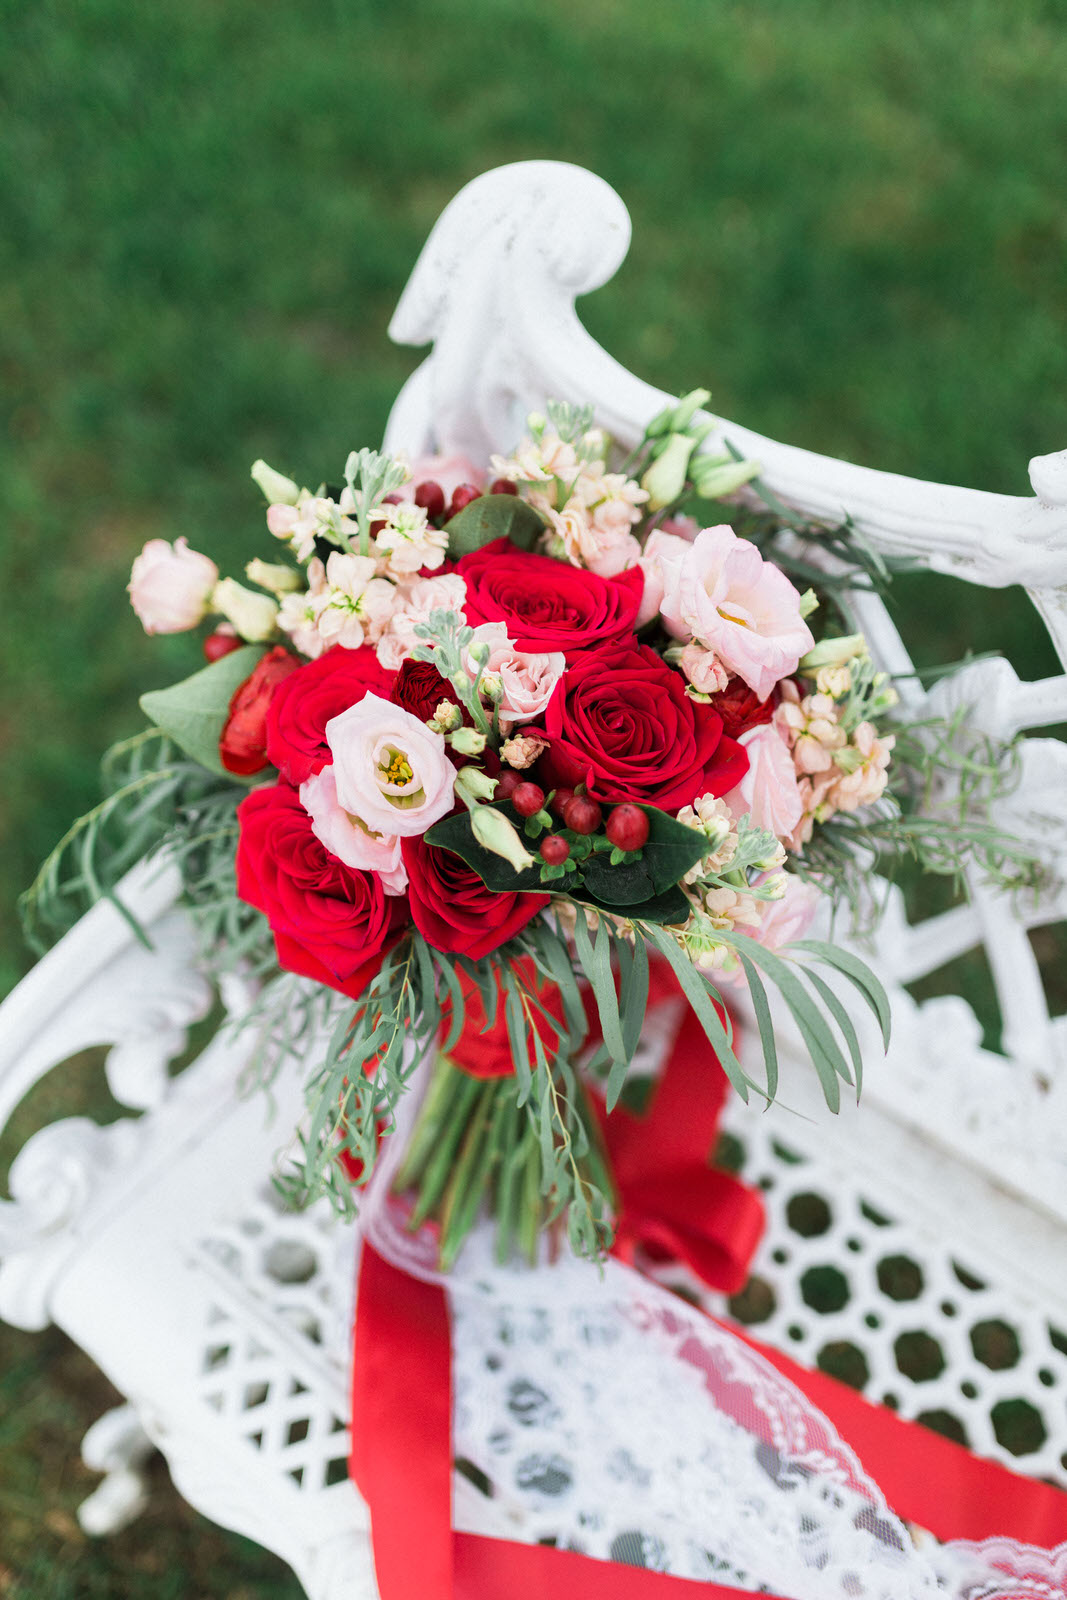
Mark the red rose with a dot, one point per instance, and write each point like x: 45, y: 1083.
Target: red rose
x: 330, y: 922
x: 621, y: 722
x: 453, y: 909
x: 547, y: 604
x: 740, y: 709
x: 243, y: 741
x: 420, y: 688
x: 299, y: 712
x: 485, y: 1052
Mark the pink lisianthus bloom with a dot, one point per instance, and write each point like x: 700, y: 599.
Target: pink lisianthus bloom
x: 448, y: 471
x: 170, y: 586
x: 528, y: 678
x: 392, y: 772
x: 345, y: 836
x: 769, y: 791
x: 738, y: 605
x: 661, y: 564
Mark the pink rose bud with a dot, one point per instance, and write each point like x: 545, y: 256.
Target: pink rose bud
x: 170, y: 586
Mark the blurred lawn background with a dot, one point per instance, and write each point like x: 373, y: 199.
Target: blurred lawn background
x: 849, y: 222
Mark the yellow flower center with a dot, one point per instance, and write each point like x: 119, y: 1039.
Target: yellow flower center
x: 395, y: 768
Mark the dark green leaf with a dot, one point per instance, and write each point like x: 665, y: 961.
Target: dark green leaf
x: 493, y: 516
x: 193, y: 712
x: 454, y: 834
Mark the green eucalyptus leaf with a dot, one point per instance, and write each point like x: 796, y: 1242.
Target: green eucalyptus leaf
x: 493, y: 516
x: 193, y: 713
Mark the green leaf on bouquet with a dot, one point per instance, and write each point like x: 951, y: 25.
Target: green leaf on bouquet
x: 193, y: 712
x: 858, y: 974
x: 667, y: 855
x: 493, y: 516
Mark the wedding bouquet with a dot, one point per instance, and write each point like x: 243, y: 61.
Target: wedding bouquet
x: 485, y: 746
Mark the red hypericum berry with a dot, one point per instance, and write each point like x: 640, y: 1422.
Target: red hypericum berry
x: 528, y: 798
x: 508, y: 781
x: 431, y: 497
x: 217, y: 645
x: 462, y: 497
x: 560, y: 799
x: 627, y: 827
x: 554, y: 850
x: 392, y: 499
x: 581, y: 814
x: 503, y: 486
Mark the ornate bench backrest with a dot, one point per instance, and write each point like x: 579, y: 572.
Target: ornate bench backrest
x: 494, y: 291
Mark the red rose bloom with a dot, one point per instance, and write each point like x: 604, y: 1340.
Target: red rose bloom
x: 330, y: 922
x: 243, y: 741
x: 740, y: 709
x: 547, y: 604
x: 420, y: 688
x: 299, y: 712
x: 453, y: 909
x: 621, y: 722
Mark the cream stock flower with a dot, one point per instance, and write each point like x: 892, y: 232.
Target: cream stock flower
x: 408, y: 541
x: 314, y: 516
x: 522, y: 750
x: 866, y: 782
x: 712, y: 817
x: 811, y: 728
x: 414, y: 603
x: 298, y: 614
x: 606, y: 547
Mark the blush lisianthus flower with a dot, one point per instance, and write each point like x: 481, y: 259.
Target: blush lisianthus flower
x: 662, y: 557
x: 392, y: 772
x: 345, y: 836
x: 723, y: 594
x: 170, y: 586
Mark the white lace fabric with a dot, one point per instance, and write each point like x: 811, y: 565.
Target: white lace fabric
x: 600, y: 1413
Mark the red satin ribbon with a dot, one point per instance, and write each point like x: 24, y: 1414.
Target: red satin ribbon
x: 672, y: 1203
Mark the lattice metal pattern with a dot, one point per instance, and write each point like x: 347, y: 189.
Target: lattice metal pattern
x: 890, y: 1307
x: 276, y: 1341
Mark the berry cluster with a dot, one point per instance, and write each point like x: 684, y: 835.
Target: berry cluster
x: 431, y: 497
x: 626, y: 830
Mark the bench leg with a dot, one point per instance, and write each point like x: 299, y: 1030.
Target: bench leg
x: 117, y: 1446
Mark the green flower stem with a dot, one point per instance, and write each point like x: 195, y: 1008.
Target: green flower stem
x: 478, y: 1159
x: 434, y: 1118
x: 439, y: 1168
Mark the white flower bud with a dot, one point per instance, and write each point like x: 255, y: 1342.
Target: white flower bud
x: 446, y: 717
x: 665, y: 478
x: 253, y: 615
x: 494, y: 832
x: 278, y: 579
x: 475, y: 783
x: 713, y: 479
x: 833, y: 653
x: 277, y: 489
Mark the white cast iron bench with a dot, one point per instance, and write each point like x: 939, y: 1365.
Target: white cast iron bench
x: 918, y: 1244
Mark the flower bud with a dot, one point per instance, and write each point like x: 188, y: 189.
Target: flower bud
x: 277, y: 489
x: 665, y: 478
x: 170, y: 586
x: 714, y: 479
x: 446, y: 717
x: 475, y: 784
x: 687, y: 408
x: 278, y: 579
x: 492, y: 686
x: 460, y: 681
x: 253, y: 615
x: 467, y: 741
x: 775, y: 886
x: 833, y: 652
x: 478, y: 651
x: 494, y: 832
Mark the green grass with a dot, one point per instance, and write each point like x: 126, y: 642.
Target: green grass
x: 849, y: 223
